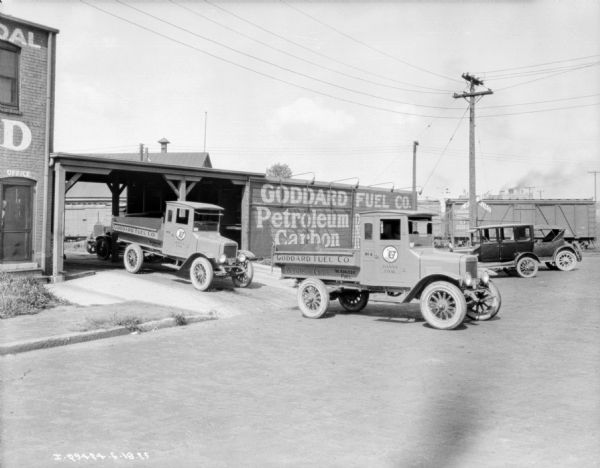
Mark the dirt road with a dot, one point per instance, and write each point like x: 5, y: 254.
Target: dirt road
x: 267, y: 388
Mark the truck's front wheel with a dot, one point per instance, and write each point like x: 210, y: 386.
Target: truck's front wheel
x: 133, y: 258
x: 313, y: 298
x: 243, y: 280
x: 443, y: 305
x: 484, y: 304
x: 201, y: 274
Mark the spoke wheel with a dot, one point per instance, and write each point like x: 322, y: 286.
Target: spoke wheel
x: 133, y: 258
x: 201, y: 274
x: 243, y: 280
x: 485, y: 304
x: 354, y: 301
x: 443, y: 305
x: 566, y: 260
x: 527, y: 267
x: 313, y: 298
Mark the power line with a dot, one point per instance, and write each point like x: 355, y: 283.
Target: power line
x: 444, y: 150
x: 545, y: 77
x: 289, y: 70
x: 538, y: 65
x: 281, y: 80
x: 539, y: 72
x: 297, y: 57
x: 364, y: 44
x: 541, y: 102
x: 541, y: 110
x: 219, y: 7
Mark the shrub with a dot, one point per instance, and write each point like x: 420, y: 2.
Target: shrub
x: 23, y: 295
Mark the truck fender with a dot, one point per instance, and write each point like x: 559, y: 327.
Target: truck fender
x: 249, y: 255
x: 191, y: 258
x: 416, y: 291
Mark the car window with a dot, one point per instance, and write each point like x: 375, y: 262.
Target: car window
x: 508, y: 233
x: 522, y: 233
x: 489, y: 235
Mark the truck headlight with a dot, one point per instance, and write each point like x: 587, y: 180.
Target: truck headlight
x: 222, y: 258
x: 242, y: 258
x: 468, y: 279
x: 485, y: 278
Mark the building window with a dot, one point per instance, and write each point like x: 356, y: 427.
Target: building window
x: 9, y: 74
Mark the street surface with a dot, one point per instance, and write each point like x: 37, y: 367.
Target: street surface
x: 268, y: 388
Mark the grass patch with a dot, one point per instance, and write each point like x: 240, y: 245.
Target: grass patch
x: 180, y: 319
x: 131, y: 322
x: 22, y: 295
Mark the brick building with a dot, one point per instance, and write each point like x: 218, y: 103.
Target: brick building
x: 27, y: 62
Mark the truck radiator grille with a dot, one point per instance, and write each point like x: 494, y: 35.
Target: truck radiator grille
x: 230, y: 251
x: 472, y: 267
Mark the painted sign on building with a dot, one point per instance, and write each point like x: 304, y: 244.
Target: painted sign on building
x: 311, y: 216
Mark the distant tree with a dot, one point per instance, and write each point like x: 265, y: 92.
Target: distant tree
x: 279, y: 170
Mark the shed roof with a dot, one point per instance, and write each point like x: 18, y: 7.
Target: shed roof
x: 192, y: 160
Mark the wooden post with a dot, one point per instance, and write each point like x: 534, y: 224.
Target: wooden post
x: 59, y: 223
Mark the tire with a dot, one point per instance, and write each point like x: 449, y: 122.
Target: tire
x: 90, y: 247
x: 313, y: 298
x: 201, y: 274
x: 565, y: 260
x: 133, y: 258
x: 243, y: 280
x: 485, y: 304
x: 551, y: 266
x: 354, y: 301
x: 527, y: 267
x: 103, y: 248
x: 443, y: 305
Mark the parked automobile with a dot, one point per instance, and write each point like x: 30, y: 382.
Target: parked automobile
x: 505, y: 247
x: 552, y: 248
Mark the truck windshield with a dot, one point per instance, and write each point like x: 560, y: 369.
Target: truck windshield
x: 206, y: 221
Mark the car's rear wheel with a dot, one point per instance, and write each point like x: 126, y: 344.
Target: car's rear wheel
x: 133, y: 258
x: 313, y: 298
x: 565, y: 260
x: 443, y: 305
x: 484, y: 304
x: 354, y: 301
x: 527, y: 267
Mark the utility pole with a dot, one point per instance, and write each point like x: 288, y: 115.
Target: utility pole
x: 414, y: 175
x: 205, y: 121
x: 472, y: 94
x: 595, y: 173
x: 530, y: 188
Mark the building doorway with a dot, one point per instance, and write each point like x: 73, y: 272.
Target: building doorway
x: 16, y: 219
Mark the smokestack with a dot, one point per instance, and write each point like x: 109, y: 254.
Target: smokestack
x: 163, y: 145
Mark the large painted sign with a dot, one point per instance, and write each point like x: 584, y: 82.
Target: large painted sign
x: 16, y: 135
x: 311, y: 216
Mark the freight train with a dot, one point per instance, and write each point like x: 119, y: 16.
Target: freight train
x: 577, y: 216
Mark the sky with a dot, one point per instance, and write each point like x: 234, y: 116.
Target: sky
x: 337, y: 89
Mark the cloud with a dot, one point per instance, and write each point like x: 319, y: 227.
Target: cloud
x: 307, y: 116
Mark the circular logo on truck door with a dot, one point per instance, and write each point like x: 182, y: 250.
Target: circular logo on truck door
x: 390, y: 254
x: 180, y: 234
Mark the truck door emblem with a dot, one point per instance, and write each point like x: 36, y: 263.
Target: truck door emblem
x: 390, y: 254
x: 180, y: 234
